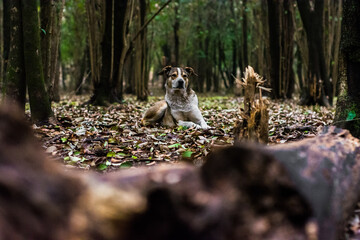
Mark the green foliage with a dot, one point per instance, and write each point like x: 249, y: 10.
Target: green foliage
x: 73, y: 31
x: 351, y: 115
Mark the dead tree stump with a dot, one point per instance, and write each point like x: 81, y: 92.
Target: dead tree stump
x: 253, y: 125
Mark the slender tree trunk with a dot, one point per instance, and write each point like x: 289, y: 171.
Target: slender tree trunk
x: 6, y: 35
x: 94, y: 10
x: 348, y: 105
x: 50, y: 15
x: 335, y: 67
x: 122, y: 9
x: 54, y: 58
x: 318, y: 86
x: 58, y: 77
x: 287, y: 43
x: 274, y: 9
x: 140, y: 53
x: 103, y: 87
x: 15, y: 83
x: 245, y: 35
x: 39, y: 101
x: 46, y: 20
x: 176, y: 32
x: 281, y: 31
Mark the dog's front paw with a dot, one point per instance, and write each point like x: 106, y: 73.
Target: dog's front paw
x: 188, y: 124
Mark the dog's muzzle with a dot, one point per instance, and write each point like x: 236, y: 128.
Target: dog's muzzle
x: 179, y: 84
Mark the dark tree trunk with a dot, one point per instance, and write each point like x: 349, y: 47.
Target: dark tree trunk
x: 6, y: 35
x: 176, y: 33
x: 114, y: 46
x: 15, y: 83
x: 245, y: 57
x: 81, y: 77
x: 274, y: 19
x: 103, y: 87
x: 121, y: 45
x: 58, y: 77
x: 46, y: 19
x: 95, y: 13
x: 208, y: 70
x: 141, y: 80
x: 281, y: 42
x: 39, y: 101
x: 50, y: 15
x: 318, y: 88
x: 348, y: 105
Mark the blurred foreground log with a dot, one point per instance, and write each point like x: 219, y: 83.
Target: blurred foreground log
x: 304, y: 190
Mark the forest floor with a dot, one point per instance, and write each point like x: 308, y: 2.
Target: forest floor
x: 112, y: 138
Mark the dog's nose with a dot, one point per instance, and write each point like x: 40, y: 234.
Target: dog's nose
x: 181, y: 83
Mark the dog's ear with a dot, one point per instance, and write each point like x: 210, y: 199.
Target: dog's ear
x: 190, y: 71
x: 165, y: 70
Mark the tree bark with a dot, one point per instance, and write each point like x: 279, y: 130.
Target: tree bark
x: 6, y: 36
x: 318, y: 86
x: 46, y: 20
x: 176, y: 27
x: 281, y: 42
x: 15, y: 82
x: 245, y: 57
x: 94, y: 10
x: 274, y: 39
x: 39, y: 101
x: 102, y: 88
x: 141, y: 56
x: 348, y: 105
x: 50, y: 15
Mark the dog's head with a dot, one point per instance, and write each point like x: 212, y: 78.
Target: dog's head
x: 177, y: 77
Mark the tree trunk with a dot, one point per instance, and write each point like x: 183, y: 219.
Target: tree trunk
x: 176, y: 33
x: 281, y: 42
x: 6, y: 36
x: 274, y: 18
x: 140, y: 56
x: 39, y: 101
x: 121, y: 22
x: 15, y: 83
x: 46, y: 20
x: 50, y: 15
x: 94, y: 10
x: 303, y: 190
x: 245, y: 57
x: 335, y: 67
x: 318, y: 86
x: 348, y: 105
x: 102, y: 89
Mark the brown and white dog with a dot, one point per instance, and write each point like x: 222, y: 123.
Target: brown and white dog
x: 180, y: 106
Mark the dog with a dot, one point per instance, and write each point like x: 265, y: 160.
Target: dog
x: 180, y: 106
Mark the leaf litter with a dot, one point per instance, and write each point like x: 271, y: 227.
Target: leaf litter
x: 111, y: 138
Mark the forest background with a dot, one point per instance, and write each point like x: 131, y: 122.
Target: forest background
x: 111, y: 48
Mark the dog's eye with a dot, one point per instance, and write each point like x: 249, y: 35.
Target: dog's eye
x: 185, y: 76
x: 174, y: 75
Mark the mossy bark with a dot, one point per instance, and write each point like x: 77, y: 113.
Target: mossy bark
x: 39, y: 101
x: 348, y: 104
x: 14, y: 88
